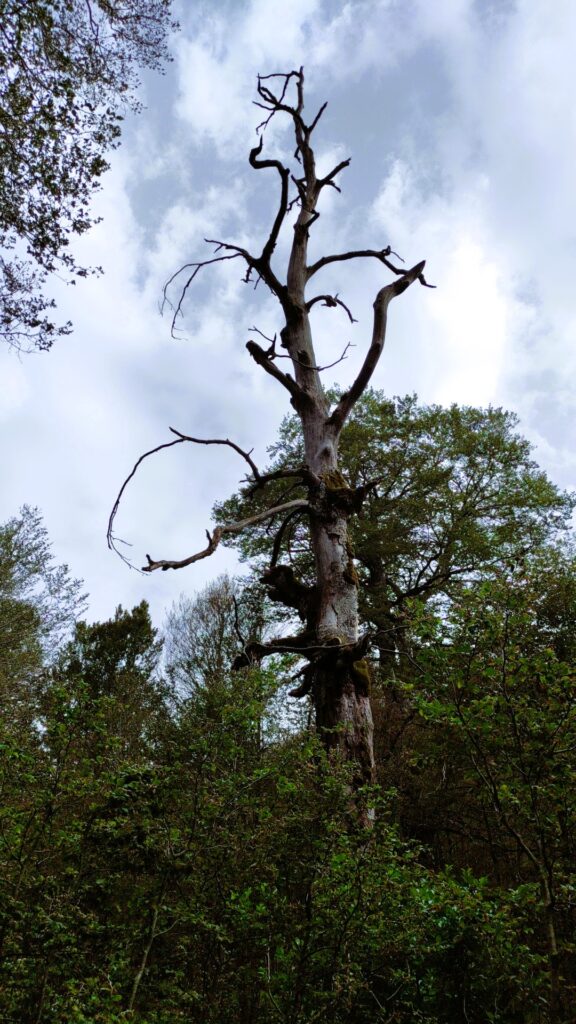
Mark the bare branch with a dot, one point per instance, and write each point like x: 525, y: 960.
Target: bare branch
x: 237, y: 629
x: 317, y: 653
x: 302, y: 473
x: 224, y: 441
x: 280, y: 534
x: 220, y: 531
x: 284, y: 173
x: 234, y: 253
x: 329, y: 178
x: 110, y: 538
x: 274, y: 103
x: 377, y: 254
x: 382, y: 301
x: 307, y: 366
x: 259, y: 264
x: 318, y: 116
x: 363, y: 490
x: 264, y: 359
x: 331, y: 301
x: 180, y: 439
x: 262, y: 335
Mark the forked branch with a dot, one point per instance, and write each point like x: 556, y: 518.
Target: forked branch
x: 378, y: 254
x: 194, y: 269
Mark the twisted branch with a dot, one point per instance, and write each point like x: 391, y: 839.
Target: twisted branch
x: 180, y: 439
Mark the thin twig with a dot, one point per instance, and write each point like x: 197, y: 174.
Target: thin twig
x: 307, y: 366
x: 187, y: 266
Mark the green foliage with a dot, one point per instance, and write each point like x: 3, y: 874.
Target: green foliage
x: 202, y: 635
x: 202, y: 638
x: 67, y: 73
x: 450, y: 494
x: 489, y: 769
x: 171, y: 851
x: 39, y: 602
x: 207, y: 877
x: 466, y: 572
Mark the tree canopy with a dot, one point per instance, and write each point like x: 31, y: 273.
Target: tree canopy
x: 450, y: 496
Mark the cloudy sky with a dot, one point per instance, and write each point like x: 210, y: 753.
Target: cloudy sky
x: 459, y: 117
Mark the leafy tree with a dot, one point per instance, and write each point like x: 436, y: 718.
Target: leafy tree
x: 493, y: 758
x: 452, y: 496
x: 202, y: 634
x: 68, y: 70
x: 78, y: 817
x: 175, y: 868
x: 114, y: 664
x: 202, y: 638
x: 39, y: 604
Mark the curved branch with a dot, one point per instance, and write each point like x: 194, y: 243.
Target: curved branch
x: 331, y: 301
x: 180, y: 439
x: 280, y: 535
x: 377, y: 254
x: 284, y: 173
x: 196, y: 268
x: 381, y: 303
x: 302, y: 473
x: 111, y: 540
x: 224, y: 441
x: 220, y: 531
x: 259, y: 264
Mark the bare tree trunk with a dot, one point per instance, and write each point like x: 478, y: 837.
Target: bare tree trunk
x: 337, y: 675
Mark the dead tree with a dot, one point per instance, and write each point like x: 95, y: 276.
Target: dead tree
x: 336, y: 672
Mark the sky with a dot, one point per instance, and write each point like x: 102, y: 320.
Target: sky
x: 460, y: 122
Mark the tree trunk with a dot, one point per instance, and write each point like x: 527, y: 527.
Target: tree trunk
x: 338, y: 685
x: 340, y: 681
